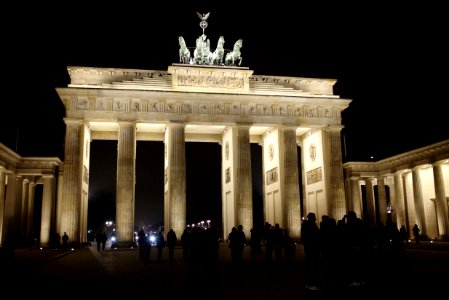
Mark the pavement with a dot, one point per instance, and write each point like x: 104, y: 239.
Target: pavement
x: 422, y: 267
x: 35, y: 255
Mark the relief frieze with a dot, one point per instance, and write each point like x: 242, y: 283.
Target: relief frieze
x: 212, y: 81
x: 82, y: 104
x: 314, y: 176
x: 252, y: 109
x: 228, y: 175
x: 272, y: 176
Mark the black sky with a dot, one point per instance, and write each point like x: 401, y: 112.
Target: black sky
x: 389, y: 59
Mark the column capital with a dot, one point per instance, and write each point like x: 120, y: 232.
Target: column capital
x: 243, y: 125
x: 440, y: 162
x: 334, y: 128
x: 69, y: 121
x: 126, y: 123
x: 175, y: 124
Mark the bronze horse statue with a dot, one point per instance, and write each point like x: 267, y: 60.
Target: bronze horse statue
x: 233, y: 58
x: 216, y: 58
x: 184, y: 52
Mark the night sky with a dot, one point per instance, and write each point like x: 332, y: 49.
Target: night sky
x: 386, y: 59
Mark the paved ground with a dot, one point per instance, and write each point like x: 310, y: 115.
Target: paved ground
x: 115, y: 274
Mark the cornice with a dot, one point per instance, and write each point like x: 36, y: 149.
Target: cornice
x: 426, y: 155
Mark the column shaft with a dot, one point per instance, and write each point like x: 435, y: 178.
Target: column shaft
x: 47, y: 209
x: 126, y: 166
x: 71, y: 194
x: 399, y: 205
x: 441, y: 203
x: 336, y: 190
x: 382, y: 200
x: 24, y: 211
x: 244, y: 199
x: 2, y: 202
x: 355, y: 196
x: 370, y: 216
x: 418, y: 201
x: 30, y: 217
x: 291, y: 184
x: 176, y: 178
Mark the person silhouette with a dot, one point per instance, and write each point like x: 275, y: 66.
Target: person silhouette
x: 416, y: 234
x: 65, y: 241
x: 311, y: 243
x: 171, y: 243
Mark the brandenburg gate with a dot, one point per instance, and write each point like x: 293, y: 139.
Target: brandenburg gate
x: 226, y: 104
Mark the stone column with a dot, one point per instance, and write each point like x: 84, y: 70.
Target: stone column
x: 355, y: 196
x: 291, y: 183
x: 11, y: 225
x: 382, y: 199
x: 370, y: 216
x: 47, y: 209
x: 406, y: 211
x: 24, y: 211
x: 30, y: 217
x: 336, y: 190
x: 2, y: 202
x: 244, y: 187
x: 419, y: 203
x: 126, y: 167
x: 71, y: 193
x: 59, y: 200
x: 399, y: 206
x: 441, y: 203
x: 175, y: 200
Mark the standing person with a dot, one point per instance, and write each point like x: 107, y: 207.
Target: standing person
x: 104, y: 239
x: 65, y: 241
x: 416, y: 231
x: 98, y: 239
x: 237, y: 242
x: 160, y: 244
x: 142, y: 244
x: 171, y: 243
x: 311, y: 242
x: 185, y: 240
x: 255, y: 242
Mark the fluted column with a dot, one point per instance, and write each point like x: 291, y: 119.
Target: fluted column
x: 24, y: 210
x: 291, y: 183
x: 406, y: 208
x: 336, y: 190
x: 244, y: 199
x: 2, y: 202
x: 399, y: 201
x: 420, y: 216
x: 175, y: 201
x: 11, y: 225
x: 355, y: 196
x: 47, y: 208
x: 175, y: 173
x: 441, y: 203
x: 370, y: 216
x: 71, y: 193
x: 30, y: 216
x: 126, y: 167
x: 382, y: 199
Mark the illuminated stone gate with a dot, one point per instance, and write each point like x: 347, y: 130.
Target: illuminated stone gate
x: 223, y: 104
